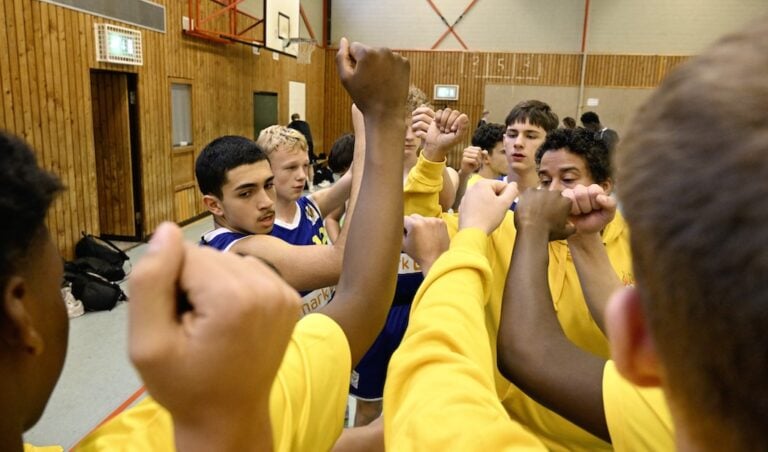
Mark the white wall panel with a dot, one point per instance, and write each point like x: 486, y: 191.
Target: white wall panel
x: 491, y: 25
x: 668, y: 27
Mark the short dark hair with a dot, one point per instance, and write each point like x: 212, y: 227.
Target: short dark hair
x: 487, y: 135
x: 221, y: 156
x: 535, y: 112
x: 583, y: 143
x: 26, y: 193
x: 342, y: 153
x: 295, y: 116
x: 693, y: 172
x: 590, y: 117
x: 569, y: 122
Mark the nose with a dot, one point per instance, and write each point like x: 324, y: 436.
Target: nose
x: 556, y: 185
x: 264, y: 200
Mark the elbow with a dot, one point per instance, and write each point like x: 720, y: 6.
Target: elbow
x: 514, y: 356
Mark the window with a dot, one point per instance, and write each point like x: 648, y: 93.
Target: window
x: 181, y: 114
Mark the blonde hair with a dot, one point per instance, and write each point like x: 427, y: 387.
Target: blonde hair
x: 274, y: 138
x: 416, y: 98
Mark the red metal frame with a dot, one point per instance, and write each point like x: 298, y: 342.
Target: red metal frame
x: 198, y: 23
x: 451, y: 27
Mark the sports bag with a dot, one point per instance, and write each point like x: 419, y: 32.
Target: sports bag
x: 95, y: 292
x: 92, y: 246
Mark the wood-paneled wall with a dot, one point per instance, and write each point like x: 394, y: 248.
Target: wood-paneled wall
x: 472, y: 71
x: 46, y: 56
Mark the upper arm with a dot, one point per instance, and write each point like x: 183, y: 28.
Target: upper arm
x: 304, y: 267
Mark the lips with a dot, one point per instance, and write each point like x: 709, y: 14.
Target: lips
x: 518, y: 157
x: 269, y: 217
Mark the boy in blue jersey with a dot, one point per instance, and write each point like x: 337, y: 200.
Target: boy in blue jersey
x: 238, y: 188
x: 298, y: 218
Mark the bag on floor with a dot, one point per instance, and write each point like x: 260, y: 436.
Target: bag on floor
x: 101, y: 248
x: 111, y: 272
x: 94, y: 291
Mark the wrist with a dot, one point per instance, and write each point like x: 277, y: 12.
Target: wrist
x: 585, y: 240
x: 533, y: 229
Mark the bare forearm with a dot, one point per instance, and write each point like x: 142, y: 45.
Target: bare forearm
x: 534, y: 352
x: 361, y: 304
x: 463, y: 179
x: 596, y: 274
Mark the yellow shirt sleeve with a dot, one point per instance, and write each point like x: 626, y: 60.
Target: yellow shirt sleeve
x: 638, y: 418
x: 30, y: 448
x: 440, y: 391
x: 422, y: 188
x: 307, y: 399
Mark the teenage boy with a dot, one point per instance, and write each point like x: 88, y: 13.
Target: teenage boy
x: 572, y: 311
x: 484, y: 159
x: 309, y: 395
x: 183, y: 360
x: 238, y: 188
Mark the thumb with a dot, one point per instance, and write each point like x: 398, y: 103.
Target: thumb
x: 509, y: 193
x: 153, y: 286
x: 606, y: 202
x: 344, y: 62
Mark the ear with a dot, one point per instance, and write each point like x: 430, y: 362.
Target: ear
x: 632, y: 347
x: 213, y: 204
x: 607, y: 186
x: 16, y: 326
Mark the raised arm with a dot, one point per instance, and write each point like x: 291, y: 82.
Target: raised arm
x: 377, y: 81
x: 442, y: 373
x: 470, y: 162
x: 311, y: 267
x: 591, y: 212
x: 424, y: 184
x: 533, y: 351
x: 333, y: 197
x: 192, y: 362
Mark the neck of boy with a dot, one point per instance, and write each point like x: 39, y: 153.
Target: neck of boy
x: 285, y: 210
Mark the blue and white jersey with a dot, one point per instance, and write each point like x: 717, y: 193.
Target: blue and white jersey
x: 306, y: 228
x: 221, y: 238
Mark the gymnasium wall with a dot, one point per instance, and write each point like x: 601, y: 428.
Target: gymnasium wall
x: 46, y: 55
x: 523, y: 49
x: 679, y: 27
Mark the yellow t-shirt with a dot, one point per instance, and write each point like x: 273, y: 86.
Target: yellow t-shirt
x: 473, y: 179
x: 440, y: 391
x: 307, y: 400
x: 568, y: 299
x: 638, y: 418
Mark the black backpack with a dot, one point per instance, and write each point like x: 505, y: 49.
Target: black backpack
x: 100, y: 256
x: 96, y: 293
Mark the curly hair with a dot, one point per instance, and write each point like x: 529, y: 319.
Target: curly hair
x: 274, y: 138
x: 583, y: 143
x: 416, y: 98
x: 487, y: 135
x: 26, y: 193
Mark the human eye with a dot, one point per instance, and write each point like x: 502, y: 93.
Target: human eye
x: 544, y: 182
x: 269, y: 185
x: 244, y: 194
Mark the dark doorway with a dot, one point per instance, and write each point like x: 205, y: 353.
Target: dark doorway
x: 264, y: 111
x: 114, y: 103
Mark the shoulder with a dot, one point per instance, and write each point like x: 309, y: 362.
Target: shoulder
x: 637, y: 418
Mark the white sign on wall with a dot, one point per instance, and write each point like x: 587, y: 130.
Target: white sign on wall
x: 297, y: 99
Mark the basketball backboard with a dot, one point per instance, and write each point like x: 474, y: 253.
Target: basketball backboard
x: 281, y: 18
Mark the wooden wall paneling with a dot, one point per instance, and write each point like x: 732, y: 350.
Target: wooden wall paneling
x: 77, y: 211
x: 5, y: 84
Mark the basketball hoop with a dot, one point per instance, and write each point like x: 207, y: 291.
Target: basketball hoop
x: 305, y: 47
